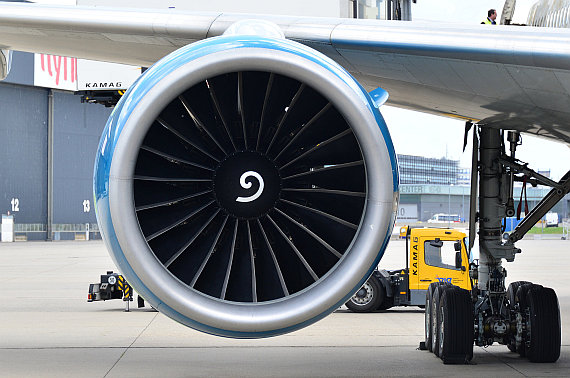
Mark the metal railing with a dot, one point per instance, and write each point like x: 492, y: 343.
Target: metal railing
x: 78, y: 231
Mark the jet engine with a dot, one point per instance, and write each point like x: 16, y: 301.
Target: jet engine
x: 246, y: 186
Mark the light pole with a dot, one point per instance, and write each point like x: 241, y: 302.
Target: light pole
x: 565, y: 207
x: 449, y: 205
x: 462, y: 203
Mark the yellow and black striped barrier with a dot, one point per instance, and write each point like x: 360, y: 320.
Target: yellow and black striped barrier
x: 127, y: 291
x: 120, y: 282
x: 125, y: 288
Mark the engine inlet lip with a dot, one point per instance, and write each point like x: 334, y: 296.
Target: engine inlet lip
x: 298, y: 310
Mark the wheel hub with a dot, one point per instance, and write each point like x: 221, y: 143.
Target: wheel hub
x: 364, y: 295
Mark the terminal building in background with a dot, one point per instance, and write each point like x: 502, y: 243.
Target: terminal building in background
x: 430, y: 186
x: 423, y: 170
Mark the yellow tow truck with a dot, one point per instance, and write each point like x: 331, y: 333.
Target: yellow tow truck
x: 432, y: 255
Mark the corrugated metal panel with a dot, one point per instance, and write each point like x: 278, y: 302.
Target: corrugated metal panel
x: 77, y: 130
x: 23, y: 152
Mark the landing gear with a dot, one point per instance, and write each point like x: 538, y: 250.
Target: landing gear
x: 525, y: 317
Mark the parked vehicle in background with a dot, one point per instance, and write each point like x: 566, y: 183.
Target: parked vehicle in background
x: 445, y: 218
x: 551, y: 219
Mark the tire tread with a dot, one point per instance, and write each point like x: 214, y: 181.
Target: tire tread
x: 457, y: 345
x: 545, y: 325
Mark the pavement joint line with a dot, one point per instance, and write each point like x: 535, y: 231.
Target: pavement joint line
x: 134, y: 341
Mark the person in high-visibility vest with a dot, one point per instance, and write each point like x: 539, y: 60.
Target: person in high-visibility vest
x: 491, y: 16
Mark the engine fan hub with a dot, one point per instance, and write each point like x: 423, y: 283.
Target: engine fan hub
x: 247, y: 184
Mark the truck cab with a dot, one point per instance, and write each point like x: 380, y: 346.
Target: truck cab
x: 436, y: 255
x: 433, y: 255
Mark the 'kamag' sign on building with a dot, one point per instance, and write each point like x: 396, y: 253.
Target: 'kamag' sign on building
x: 71, y: 74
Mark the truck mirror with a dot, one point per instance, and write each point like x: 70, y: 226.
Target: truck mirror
x: 457, y: 245
x: 437, y: 243
x: 458, y: 262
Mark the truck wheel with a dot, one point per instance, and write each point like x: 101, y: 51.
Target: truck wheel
x: 511, y: 292
x: 435, y: 316
x: 543, y: 330
x: 387, y: 303
x: 428, y: 315
x: 520, y: 300
x: 455, y: 326
x: 369, y: 297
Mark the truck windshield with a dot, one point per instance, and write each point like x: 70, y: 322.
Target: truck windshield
x: 443, y: 257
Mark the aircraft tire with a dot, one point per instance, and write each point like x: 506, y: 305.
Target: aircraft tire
x: 428, y: 315
x: 456, y: 326
x: 544, y: 330
x: 370, y: 299
x: 511, y: 292
x: 435, y: 316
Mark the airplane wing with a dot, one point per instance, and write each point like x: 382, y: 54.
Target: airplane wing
x: 506, y: 77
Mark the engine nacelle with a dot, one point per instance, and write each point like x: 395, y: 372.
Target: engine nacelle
x: 246, y: 186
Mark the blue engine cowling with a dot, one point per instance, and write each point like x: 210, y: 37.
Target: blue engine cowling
x: 245, y: 186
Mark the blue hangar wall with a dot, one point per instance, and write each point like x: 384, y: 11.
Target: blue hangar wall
x: 25, y: 156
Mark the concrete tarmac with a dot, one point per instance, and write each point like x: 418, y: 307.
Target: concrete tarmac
x: 47, y: 328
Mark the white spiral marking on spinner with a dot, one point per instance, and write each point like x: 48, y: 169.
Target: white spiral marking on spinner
x: 247, y: 185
